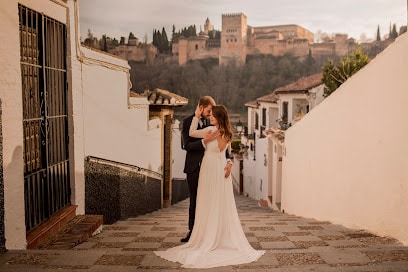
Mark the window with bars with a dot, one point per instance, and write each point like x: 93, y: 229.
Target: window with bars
x: 45, y: 119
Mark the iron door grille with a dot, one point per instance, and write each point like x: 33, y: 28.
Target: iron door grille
x: 45, y: 119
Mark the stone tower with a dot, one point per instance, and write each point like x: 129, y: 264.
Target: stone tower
x: 233, y: 38
x: 208, y: 26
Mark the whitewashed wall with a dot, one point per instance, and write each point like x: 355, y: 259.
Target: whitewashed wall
x: 346, y: 161
x: 318, y: 93
x: 272, y: 114
x: 251, y: 119
x: 178, y: 154
x: 249, y: 177
x: 255, y: 173
x: 12, y: 119
x: 102, y: 120
x: 276, y: 172
x: 113, y: 129
x: 261, y: 170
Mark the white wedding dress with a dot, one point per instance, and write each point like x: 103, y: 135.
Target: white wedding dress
x: 217, y: 238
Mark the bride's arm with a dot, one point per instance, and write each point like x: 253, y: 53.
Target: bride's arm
x: 197, y: 133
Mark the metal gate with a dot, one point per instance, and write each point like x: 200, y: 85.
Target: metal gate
x: 45, y: 120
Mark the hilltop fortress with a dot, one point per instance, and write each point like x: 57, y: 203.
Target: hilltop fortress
x: 238, y: 40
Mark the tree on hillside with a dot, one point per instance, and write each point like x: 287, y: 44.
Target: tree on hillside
x: 161, y: 41
x: 232, y: 85
x: 335, y: 75
x: 166, y: 45
x: 173, y: 33
x: 393, y: 32
x: 378, y: 34
x: 90, y: 40
x: 103, y: 43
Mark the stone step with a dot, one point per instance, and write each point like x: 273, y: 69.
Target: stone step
x: 76, y: 231
x: 50, y: 227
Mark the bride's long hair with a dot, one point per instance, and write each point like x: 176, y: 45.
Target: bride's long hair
x: 221, y: 114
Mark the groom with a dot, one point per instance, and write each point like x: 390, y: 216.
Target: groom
x: 195, y: 148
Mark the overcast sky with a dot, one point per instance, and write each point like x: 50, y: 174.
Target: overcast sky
x: 353, y: 17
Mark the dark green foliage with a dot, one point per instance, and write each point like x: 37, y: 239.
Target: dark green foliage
x: 104, y: 43
x: 235, y: 145
x: 214, y: 34
x: 161, y: 41
x: 378, y: 34
x: 394, y: 33
x: 185, y: 32
x: 335, y: 75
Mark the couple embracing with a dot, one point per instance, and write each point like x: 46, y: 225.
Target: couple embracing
x: 215, y: 236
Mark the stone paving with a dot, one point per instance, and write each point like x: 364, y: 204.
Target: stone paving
x: 292, y: 243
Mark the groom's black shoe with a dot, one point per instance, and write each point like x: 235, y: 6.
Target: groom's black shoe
x: 185, y: 239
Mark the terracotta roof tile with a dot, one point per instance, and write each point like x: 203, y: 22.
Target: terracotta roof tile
x: 302, y: 85
x: 164, y: 97
x: 252, y: 104
x: 272, y: 97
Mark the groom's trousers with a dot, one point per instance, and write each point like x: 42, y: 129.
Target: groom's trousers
x: 192, y: 180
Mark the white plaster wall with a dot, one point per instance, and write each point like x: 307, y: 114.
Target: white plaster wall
x: 254, y: 171
x: 273, y: 116
x: 261, y: 170
x: 112, y: 130
x: 101, y: 121
x: 235, y: 172
x: 249, y: 177
x: 346, y: 161
x: 272, y: 113
x: 276, y: 171
x: 318, y: 91
x: 75, y: 111
x: 178, y: 154
x: 251, y: 119
x: 12, y: 119
x: 290, y: 99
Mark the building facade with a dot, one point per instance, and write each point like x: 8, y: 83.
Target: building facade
x: 69, y: 123
x: 238, y: 40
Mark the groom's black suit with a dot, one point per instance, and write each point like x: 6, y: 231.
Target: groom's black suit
x: 194, y: 155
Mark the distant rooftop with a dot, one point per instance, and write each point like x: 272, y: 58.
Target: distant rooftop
x: 164, y: 97
x: 302, y: 85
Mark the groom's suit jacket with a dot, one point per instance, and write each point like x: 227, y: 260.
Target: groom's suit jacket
x: 193, y: 146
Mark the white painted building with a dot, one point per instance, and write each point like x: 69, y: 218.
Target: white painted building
x: 298, y: 98
x: 98, y: 114
x: 285, y: 105
x: 346, y: 161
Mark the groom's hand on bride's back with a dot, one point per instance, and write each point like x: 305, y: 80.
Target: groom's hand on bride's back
x: 227, y: 169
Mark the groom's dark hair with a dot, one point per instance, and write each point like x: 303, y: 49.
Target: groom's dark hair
x: 205, y: 101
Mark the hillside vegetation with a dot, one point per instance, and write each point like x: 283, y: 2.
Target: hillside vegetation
x: 231, y: 85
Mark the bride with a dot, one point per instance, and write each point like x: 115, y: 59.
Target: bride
x: 217, y: 238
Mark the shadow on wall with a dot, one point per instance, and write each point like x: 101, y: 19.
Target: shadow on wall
x: 117, y: 193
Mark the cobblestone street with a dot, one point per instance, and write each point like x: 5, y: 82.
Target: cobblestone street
x: 292, y: 243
